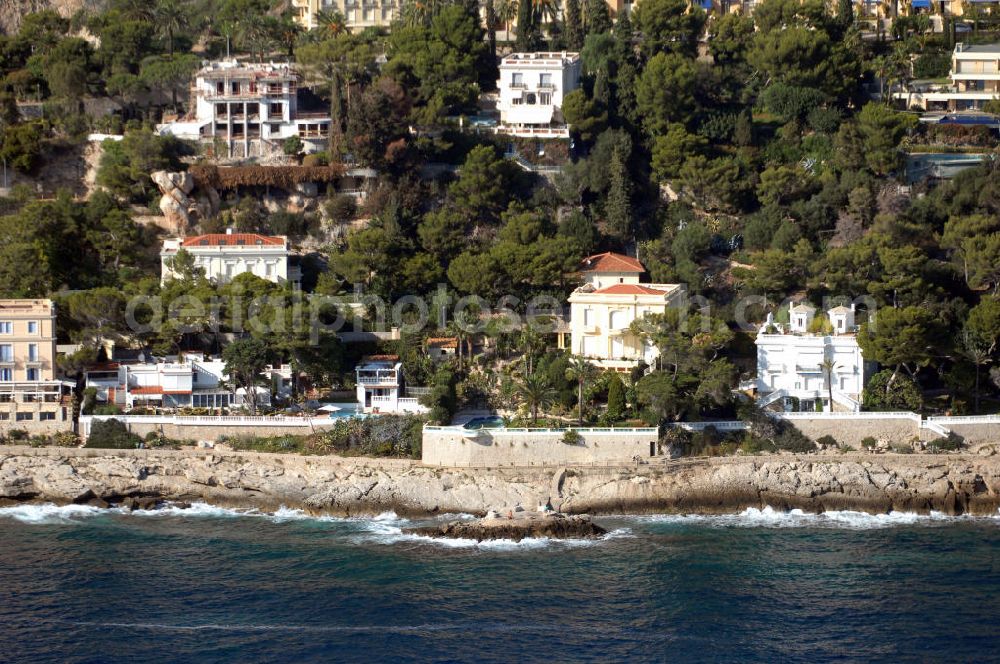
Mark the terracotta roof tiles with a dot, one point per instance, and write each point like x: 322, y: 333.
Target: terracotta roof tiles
x: 629, y: 289
x: 232, y: 239
x: 610, y: 262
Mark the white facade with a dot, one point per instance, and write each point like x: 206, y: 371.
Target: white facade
x: 192, y: 381
x: 531, y: 90
x: 251, y: 108
x: 222, y: 256
x: 604, y: 307
x: 790, y: 362
x: 381, y: 387
x: 975, y: 79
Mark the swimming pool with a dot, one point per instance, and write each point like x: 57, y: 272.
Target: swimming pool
x: 491, y: 422
x: 347, y: 410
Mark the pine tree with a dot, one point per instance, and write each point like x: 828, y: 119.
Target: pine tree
x: 597, y: 17
x: 618, y: 206
x: 525, y: 27
x: 574, y: 26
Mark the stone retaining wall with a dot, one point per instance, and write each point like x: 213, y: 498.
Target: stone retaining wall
x: 974, y: 433
x: 853, y: 431
x: 495, y: 448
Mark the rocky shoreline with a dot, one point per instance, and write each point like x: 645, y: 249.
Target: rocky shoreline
x: 516, y: 526
x: 952, y: 483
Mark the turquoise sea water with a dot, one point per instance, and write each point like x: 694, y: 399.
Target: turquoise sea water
x: 211, y: 585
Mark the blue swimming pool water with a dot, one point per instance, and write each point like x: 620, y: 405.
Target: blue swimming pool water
x: 493, y: 422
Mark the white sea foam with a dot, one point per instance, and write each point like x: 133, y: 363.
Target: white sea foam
x: 49, y: 513
x: 771, y: 518
x: 202, y: 510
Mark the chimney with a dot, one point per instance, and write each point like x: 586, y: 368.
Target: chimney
x: 229, y: 230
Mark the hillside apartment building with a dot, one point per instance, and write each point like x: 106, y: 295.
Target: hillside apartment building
x: 603, y: 308
x: 246, y: 109
x: 30, y: 396
x: 975, y: 79
x: 358, y: 14
x: 223, y: 256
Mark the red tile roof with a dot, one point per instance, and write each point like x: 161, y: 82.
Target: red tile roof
x: 443, y: 342
x: 629, y: 289
x: 146, y: 389
x: 382, y: 358
x: 610, y: 262
x: 233, y: 239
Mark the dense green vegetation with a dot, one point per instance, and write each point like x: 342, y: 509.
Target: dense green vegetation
x: 785, y: 181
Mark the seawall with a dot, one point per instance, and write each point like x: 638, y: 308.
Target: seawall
x: 954, y: 483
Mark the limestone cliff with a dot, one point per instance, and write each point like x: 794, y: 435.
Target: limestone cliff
x: 12, y: 11
x: 952, y: 484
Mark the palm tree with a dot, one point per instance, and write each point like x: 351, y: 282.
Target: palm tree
x: 979, y: 353
x: 171, y: 17
x: 256, y: 37
x: 581, y: 371
x: 505, y: 11
x: 331, y: 22
x: 288, y: 32
x: 545, y: 9
x: 828, y: 366
x: 531, y: 343
x: 137, y: 10
x: 534, y: 391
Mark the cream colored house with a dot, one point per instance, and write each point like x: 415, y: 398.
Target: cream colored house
x: 603, y: 308
x: 30, y: 396
x: 223, y: 256
x: 975, y: 80
x: 358, y: 14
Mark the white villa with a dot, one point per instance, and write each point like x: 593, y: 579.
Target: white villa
x: 381, y: 386
x: 790, y: 371
x: 251, y: 108
x: 191, y: 381
x: 975, y: 79
x: 222, y: 256
x: 603, y: 308
x: 532, y: 86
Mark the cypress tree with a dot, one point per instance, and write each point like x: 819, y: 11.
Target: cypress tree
x: 574, y: 26
x: 618, y: 205
x: 616, y: 399
x: 845, y: 13
x: 597, y: 17
x: 525, y: 27
x: 491, y: 27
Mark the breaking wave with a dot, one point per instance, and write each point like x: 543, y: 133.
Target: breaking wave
x: 769, y: 517
x: 49, y: 513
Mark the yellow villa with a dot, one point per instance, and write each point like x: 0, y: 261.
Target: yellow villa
x: 604, y: 306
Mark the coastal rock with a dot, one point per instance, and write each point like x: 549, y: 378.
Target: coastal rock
x: 516, y: 527
x: 968, y: 483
